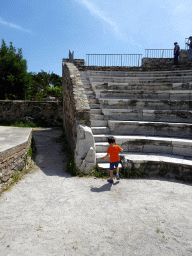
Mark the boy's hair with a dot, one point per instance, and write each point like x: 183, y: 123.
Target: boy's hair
x: 111, y: 139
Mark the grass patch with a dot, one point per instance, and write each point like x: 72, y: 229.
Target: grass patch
x: 19, y: 123
x: 30, y: 124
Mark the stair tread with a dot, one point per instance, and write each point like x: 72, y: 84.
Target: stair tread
x: 142, y: 157
x: 138, y: 137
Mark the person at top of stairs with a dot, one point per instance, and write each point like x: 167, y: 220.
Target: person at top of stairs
x: 113, y: 151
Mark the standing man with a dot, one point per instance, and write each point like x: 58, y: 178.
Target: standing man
x: 190, y: 48
x: 176, y: 53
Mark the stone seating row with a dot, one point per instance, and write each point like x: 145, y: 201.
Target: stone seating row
x: 164, y: 164
x: 141, y: 80
x: 97, y: 87
x: 149, y: 144
x: 89, y: 73
x: 162, y: 129
x: 149, y: 94
x: 174, y: 116
x: 147, y: 104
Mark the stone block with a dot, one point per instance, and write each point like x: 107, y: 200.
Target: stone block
x: 85, y: 149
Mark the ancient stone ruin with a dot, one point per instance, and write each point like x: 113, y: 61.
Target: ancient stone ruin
x: 148, y: 111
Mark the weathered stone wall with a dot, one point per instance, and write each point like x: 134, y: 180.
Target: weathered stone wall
x: 76, y: 108
x: 151, y: 62
x: 109, y: 68
x: 167, y: 63
x: 77, y: 62
x: 48, y: 113
x: 13, y: 159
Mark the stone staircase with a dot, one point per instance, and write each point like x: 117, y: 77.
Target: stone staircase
x: 149, y: 114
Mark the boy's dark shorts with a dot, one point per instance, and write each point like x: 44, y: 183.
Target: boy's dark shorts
x: 114, y: 164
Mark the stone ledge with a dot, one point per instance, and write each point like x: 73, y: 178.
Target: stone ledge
x: 168, y: 166
x: 16, y: 142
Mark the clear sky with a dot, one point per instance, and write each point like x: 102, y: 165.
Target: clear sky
x: 46, y: 30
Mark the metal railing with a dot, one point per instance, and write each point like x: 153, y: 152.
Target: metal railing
x: 159, y: 53
x: 187, y: 41
x: 123, y: 60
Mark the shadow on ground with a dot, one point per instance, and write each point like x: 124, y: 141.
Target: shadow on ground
x: 52, y: 160
x: 49, y: 156
x: 105, y: 187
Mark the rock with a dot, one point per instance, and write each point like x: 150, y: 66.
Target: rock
x: 126, y: 163
x: 90, y: 157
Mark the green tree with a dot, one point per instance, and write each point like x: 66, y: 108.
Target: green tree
x: 44, y: 83
x: 14, y: 78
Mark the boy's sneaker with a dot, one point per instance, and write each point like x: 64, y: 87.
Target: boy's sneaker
x: 117, y: 177
x: 110, y: 181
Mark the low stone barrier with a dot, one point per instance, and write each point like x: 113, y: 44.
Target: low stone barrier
x: 167, y: 63
x: 12, y: 158
x: 162, y: 168
x: 49, y: 113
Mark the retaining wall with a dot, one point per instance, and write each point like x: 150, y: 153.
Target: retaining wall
x: 76, y: 108
x: 12, y: 159
x: 49, y: 113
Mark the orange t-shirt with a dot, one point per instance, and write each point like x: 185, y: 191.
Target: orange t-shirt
x: 114, y: 153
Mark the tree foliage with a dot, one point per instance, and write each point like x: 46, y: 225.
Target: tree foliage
x: 44, y: 83
x: 14, y: 78
x: 17, y: 84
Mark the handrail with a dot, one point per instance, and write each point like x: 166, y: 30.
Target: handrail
x: 186, y: 41
x: 158, y: 53
x: 122, y: 60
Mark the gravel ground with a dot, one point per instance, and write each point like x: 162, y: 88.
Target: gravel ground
x: 51, y: 213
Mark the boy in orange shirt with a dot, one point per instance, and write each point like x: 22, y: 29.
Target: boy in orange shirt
x: 113, y: 151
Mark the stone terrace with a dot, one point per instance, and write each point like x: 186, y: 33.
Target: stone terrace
x: 149, y: 113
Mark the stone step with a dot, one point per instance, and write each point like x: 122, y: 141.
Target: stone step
x: 145, y: 144
x: 105, y: 162
x: 142, y: 87
x: 182, y: 130
x: 148, y: 104
x: 97, y: 123
x: 106, y: 166
x: 143, y: 94
x: 174, y: 116
x: 89, y: 92
x: 142, y: 80
x: 96, y: 117
x: 138, y: 73
x: 164, y: 165
x: 95, y: 111
x: 94, y: 105
x: 100, y: 130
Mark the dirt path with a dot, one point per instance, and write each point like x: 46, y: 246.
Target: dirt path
x: 50, y: 213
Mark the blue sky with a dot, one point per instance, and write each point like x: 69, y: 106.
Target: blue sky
x: 46, y: 30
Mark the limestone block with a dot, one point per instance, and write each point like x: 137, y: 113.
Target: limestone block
x: 89, y: 162
x: 85, y: 148
x: 91, y: 157
x: 126, y: 163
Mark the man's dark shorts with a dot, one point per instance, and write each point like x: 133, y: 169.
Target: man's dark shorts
x: 114, y: 164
